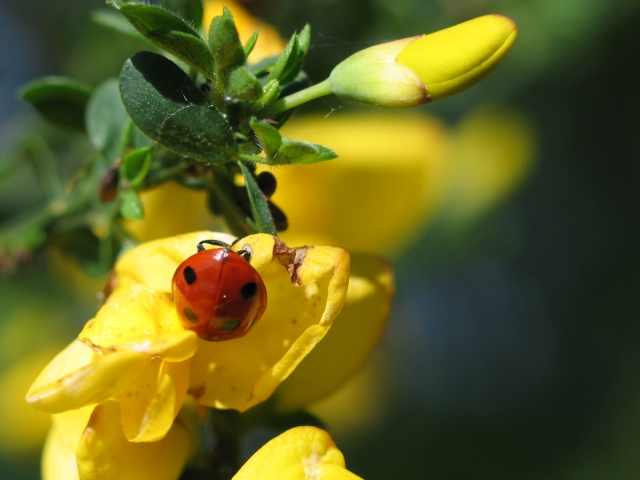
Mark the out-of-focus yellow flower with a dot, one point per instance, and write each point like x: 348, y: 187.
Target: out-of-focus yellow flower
x: 23, y: 429
x: 379, y: 194
x: 297, y: 454
x: 89, y: 444
x: 492, y: 153
x: 417, y: 70
x: 269, y: 41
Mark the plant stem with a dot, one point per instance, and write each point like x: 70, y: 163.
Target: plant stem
x: 303, y: 96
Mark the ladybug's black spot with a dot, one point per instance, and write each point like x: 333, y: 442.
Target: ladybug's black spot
x: 230, y: 325
x: 192, y: 317
x: 249, y: 290
x: 189, y: 275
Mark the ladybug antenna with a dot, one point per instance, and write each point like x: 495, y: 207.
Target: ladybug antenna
x: 218, y: 243
x: 246, y: 254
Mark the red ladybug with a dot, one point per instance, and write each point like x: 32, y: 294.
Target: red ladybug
x: 217, y: 293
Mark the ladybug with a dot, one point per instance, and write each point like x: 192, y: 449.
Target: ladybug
x: 217, y: 293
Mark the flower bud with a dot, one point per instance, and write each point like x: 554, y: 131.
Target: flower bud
x: 420, y: 69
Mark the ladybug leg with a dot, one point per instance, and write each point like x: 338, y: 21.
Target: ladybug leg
x: 246, y: 254
x: 218, y: 243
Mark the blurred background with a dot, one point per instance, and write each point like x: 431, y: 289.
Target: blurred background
x: 512, y: 351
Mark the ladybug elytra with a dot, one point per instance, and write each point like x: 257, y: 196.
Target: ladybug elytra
x: 217, y: 293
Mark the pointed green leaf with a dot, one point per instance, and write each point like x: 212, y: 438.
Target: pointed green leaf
x: 303, y: 153
x: 224, y: 42
x: 106, y: 120
x: 269, y: 137
x: 243, y: 85
x: 290, y: 62
x: 136, y: 164
x: 131, y: 206
x: 191, y: 10
x: 259, y: 207
x: 168, y: 107
x: 60, y: 100
x: 251, y: 43
x: 171, y: 33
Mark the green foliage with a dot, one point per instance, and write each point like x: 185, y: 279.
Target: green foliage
x: 167, y: 106
x: 60, y: 100
x: 197, y: 114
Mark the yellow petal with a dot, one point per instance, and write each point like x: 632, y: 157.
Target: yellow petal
x: 349, y: 342
x: 241, y: 373
x: 454, y: 59
x: 171, y: 209
x: 384, y: 189
x: 59, y: 455
x: 150, y: 404
x: 104, y: 453
x: 269, y: 41
x: 297, y: 454
x: 78, y: 376
x: 154, y: 263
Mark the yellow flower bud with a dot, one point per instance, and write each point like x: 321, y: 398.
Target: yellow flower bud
x: 420, y: 69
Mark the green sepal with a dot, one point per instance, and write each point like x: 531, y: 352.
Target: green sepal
x: 270, y: 93
x: 303, y: 153
x: 136, y: 165
x: 131, y: 206
x: 243, y: 85
x: 106, y: 120
x: 60, y: 100
x: 251, y: 43
x: 169, y: 32
x: 269, y: 137
x: 290, y: 62
x: 259, y: 207
x: 168, y: 107
x: 224, y: 42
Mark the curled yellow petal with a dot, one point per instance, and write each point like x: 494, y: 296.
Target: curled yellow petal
x: 306, y: 289
x: 416, y: 70
x: 150, y: 404
x: 103, y: 452
x: 454, y: 59
x: 59, y: 455
x: 299, y: 453
x: 78, y: 376
x: 352, y: 337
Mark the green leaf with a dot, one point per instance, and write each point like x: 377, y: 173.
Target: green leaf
x: 269, y: 137
x: 191, y: 10
x: 168, y: 107
x: 303, y: 153
x: 259, y: 207
x: 60, y: 100
x: 251, y: 42
x: 106, y: 120
x: 290, y: 62
x: 131, y: 206
x: 171, y: 33
x: 224, y: 42
x: 136, y: 164
x: 243, y: 85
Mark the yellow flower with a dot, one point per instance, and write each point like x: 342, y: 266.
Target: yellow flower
x: 420, y: 69
x: 269, y: 41
x: 88, y: 443
x: 381, y: 192
x: 136, y: 352
x: 297, y: 454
